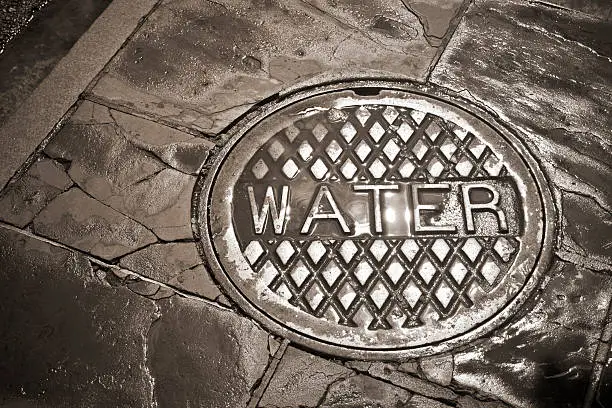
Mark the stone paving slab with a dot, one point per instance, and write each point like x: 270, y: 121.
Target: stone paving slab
x: 97, y: 343
x: 200, y: 64
x: 542, y: 91
x: 556, y: 91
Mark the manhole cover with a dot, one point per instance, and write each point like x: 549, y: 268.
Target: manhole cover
x: 375, y: 223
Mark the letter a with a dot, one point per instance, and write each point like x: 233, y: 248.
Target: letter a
x: 269, y: 203
x: 314, y: 213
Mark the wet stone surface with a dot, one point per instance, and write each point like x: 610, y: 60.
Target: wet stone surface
x: 102, y: 340
x: 176, y: 264
x: 85, y: 347
x: 544, y: 358
x: 201, y: 64
x: 564, y: 113
x: 305, y: 380
x: 109, y: 184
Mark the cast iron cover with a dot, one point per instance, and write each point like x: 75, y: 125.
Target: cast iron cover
x: 375, y: 221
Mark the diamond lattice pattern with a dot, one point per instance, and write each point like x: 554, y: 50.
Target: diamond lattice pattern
x: 378, y: 283
x: 382, y: 284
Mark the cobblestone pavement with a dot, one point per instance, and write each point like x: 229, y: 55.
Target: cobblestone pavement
x: 107, y: 302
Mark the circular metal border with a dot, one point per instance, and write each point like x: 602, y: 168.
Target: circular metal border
x: 200, y: 222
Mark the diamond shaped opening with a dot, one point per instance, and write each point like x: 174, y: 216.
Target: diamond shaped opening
x: 444, y: 294
x: 333, y: 150
x: 440, y: 248
x: 319, y: 132
x: 362, y: 115
x: 363, y: 151
x: 253, y: 252
x: 299, y: 273
x: 318, y: 169
x: 377, y: 169
x: 331, y: 273
x: 490, y: 271
x: 260, y: 169
x: 427, y: 271
x: 378, y: 249
x: 395, y: 271
x: 314, y: 296
x: 305, y: 151
x: 348, y: 169
x: 390, y: 114
x: 379, y: 295
x: 290, y: 169
x: 316, y: 251
x: 348, y: 249
x: 376, y: 132
x: 391, y: 150
x: 412, y: 294
x: 346, y: 295
x: 348, y: 132
x: 458, y: 271
x: 407, y: 168
x: 504, y: 248
x: 405, y: 131
x: 363, y: 271
x: 471, y: 248
x: 276, y: 149
x: 420, y: 149
x: 410, y: 248
x: 285, y: 251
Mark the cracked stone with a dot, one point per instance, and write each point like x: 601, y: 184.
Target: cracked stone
x: 201, y: 64
x: 544, y: 358
x: 179, y: 150
x: 601, y: 9
x: 77, y: 220
x: 604, y: 392
x: 66, y: 340
x: 438, y: 369
x: 144, y: 288
x: 587, y: 229
x: 390, y: 373
x: 22, y: 200
x: 435, y: 15
x: 203, y: 356
x: 301, y: 379
x: 110, y: 162
x: 541, y: 89
x: 176, y: 264
x: 420, y: 401
x: 467, y: 401
x: 363, y: 391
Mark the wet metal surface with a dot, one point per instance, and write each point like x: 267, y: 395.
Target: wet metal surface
x: 379, y: 225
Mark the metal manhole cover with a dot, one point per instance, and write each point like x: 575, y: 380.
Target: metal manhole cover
x: 381, y: 224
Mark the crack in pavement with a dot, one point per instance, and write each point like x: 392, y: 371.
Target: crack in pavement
x: 116, y: 268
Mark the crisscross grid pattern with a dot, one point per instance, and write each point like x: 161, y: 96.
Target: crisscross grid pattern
x: 382, y: 284
x: 374, y: 143
x: 377, y: 283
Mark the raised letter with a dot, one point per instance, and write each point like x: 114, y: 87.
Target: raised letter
x: 314, y: 213
x: 493, y: 205
x: 375, y: 189
x: 269, y: 203
x: 418, y: 207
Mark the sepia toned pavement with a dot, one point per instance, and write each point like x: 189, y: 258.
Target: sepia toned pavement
x: 106, y: 300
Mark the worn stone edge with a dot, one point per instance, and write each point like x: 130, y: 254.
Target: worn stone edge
x: 27, y: 127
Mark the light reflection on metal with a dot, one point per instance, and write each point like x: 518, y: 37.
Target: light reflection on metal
x: 381, y: 226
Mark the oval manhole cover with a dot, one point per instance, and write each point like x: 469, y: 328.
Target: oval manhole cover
x: 375, y: 226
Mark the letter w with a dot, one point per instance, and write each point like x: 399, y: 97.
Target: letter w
x: 269, y: 204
